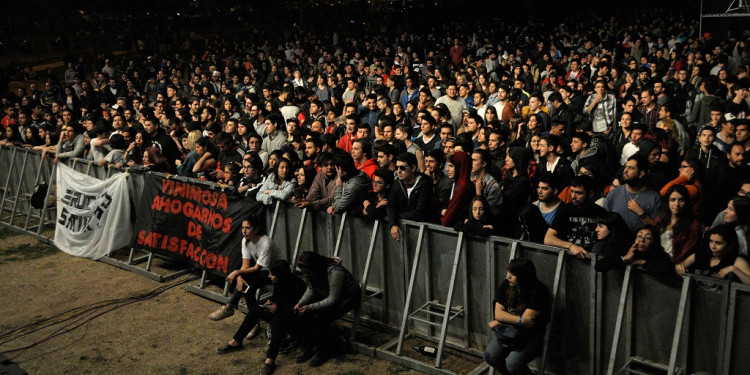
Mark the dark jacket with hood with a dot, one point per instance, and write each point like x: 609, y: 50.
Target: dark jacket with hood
x: 419, y: 206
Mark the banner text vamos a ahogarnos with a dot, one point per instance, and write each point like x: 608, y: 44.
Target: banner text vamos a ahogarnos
x: 192, y: 224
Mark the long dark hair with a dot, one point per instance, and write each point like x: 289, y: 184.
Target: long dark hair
x: 525, y: 273
x: 278, y: 178
x: 684, y: 217
x: 655, y: 238
x: 487, y: 217
x: 315, y: 266
x: 729, y: 235
x: 618, y: 229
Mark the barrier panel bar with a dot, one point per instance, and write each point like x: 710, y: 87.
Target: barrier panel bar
x: 684, y: 295
x: 7, y: 179
x: 618, y: 324
x: 737, y: 335
x: 298, y: 241
x: 342, y: 225
x: 19, y: 187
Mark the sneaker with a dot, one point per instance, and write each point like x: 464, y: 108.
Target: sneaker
x: 307, y: 353
x: 253, y: 332
x: 268, y: 369
x: 229, y: 348
x: 221, y: 313
x: 320, y: 357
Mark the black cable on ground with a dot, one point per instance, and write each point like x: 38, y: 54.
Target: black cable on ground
x: 75, y: 318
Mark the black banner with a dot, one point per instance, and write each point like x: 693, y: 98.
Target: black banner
x: 192, y: 224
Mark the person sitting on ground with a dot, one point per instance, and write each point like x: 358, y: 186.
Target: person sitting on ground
x: 332, y: 291
x: 278, y: 186
x: 718, y: 258
x: 259, y: 251
x: 645, y: 252
x: 288, y: 288
x: 521, y: 303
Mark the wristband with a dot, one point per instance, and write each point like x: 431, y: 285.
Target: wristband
x: 520, y: 320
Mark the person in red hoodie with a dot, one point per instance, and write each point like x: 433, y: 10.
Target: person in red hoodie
x: 458, y: 168
x: 362, y: 155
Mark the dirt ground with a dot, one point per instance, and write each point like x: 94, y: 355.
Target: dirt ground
x: 76, y: 316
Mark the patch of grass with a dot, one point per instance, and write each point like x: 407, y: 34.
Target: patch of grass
x: 5, y: 233
x: 182, y: 371
x: 352, y: 372
x: 237, y: 362
x: 396, y: 368
x: 26, y: 252
x: 346, y: 359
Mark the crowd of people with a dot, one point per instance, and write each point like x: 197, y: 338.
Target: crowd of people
x: 630, y: 143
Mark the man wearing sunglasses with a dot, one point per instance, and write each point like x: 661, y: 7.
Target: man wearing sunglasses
x: 412, y: 196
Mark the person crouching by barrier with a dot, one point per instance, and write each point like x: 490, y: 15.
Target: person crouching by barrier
x: 332, y: 291
x: 288, y: 288
x: 258, y: 252
x: 522, y: 307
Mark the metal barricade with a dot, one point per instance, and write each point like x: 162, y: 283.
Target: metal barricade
x: 601, y: 323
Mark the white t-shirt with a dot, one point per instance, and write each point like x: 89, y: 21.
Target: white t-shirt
x: 263, y: 252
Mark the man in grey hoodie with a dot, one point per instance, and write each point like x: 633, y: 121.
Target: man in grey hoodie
x: 351, y: 183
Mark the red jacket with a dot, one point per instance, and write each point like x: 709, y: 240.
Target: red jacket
x: 458, y: 207
x: 369, y: 167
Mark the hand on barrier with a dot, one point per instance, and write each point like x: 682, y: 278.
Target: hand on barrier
x: 680, y: 269
x: 579, y: 252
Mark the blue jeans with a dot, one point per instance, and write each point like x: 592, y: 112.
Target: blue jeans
x: 513, y: 361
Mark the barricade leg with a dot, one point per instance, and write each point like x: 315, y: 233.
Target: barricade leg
x: 618, y: 322
x: 410, y: 290
x: 7, y: 180
x: 366, y: 294
x: 340, y: 234
x: 18, y: 188
x: 298, y: 242
x: 678, y: 324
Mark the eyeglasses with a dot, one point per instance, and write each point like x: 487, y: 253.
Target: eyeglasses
x: 643, y: 239
x: 684, y: 166
x: 301, y: 265
x: 401, y: 167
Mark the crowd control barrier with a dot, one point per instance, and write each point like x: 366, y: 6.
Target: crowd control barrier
x: 437, y: 285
